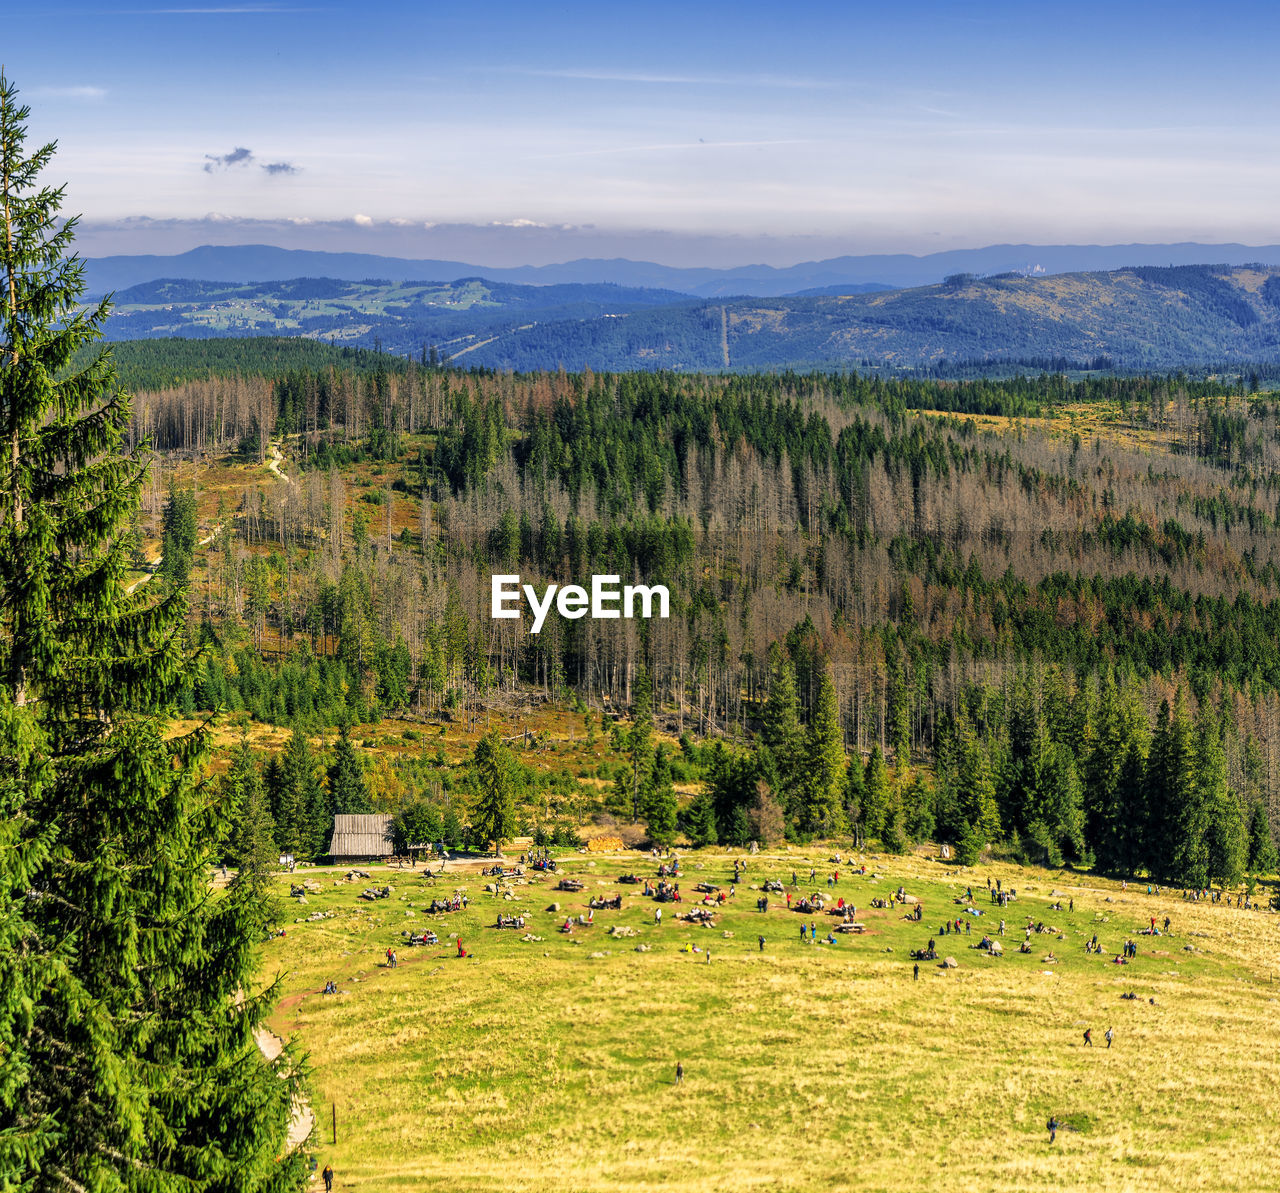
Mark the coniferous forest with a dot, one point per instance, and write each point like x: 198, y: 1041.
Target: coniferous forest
x: 1035, y: 613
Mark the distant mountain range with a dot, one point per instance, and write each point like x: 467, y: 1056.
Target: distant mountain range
x: 1146, y: 317
x: 264, y: 263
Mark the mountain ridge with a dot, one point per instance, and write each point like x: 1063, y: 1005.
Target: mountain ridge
x: 262, y: 263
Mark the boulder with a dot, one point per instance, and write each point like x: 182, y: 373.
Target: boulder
x: 949, y: 963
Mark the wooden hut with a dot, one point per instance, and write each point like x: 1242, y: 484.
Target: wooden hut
x: 365, y: 837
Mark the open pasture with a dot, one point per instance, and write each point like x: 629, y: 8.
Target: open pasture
x: 551, y: 1063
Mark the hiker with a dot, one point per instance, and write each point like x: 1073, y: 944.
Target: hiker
x: 1052, y: 1125
x: 1088, y: 1037
x: 1111, y: 1031
x: 657, y: 917
x: 916, y: 971
x: 1071, y: 904
x: 328, y: 1178
x: 679, y: 1072
x: 461, y: 951
x: 761, y: 944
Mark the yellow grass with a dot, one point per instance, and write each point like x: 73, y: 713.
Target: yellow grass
x: 808, y: 1067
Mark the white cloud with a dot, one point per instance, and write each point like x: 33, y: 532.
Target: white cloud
x: 363, y: 221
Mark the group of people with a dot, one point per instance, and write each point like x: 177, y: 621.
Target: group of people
x: 439, y: 906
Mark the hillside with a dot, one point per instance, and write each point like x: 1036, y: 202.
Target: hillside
x: 1129, y: 319
x: 1180, y: 317
x: 405, y: 317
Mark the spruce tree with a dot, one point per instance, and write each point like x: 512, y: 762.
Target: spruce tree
x: 131, y: 1063
x: 1262, y: 847
x: 780, y: 733
x: 1177, y: 774
x: 975, y: 796
x: 824, y: 764
x: 660, y: 799
x: 875, y: 793
x: 348, y: 792
x: 304, y: 827
x: 494, y: 811
x: 251, y: 847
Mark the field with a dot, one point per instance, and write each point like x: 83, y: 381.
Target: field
x: 550, y: 1064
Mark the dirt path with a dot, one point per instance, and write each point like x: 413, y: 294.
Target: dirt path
x: 276, y: 460
x: 159, y: 559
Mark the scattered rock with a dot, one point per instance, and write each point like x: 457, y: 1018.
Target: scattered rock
x: 643, y: 948
x: 554, y: 907
x: 949, y: 963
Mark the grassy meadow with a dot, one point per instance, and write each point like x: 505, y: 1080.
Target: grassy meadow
x: 551, y: 1064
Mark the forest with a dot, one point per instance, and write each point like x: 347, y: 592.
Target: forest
x: 1035, y: 612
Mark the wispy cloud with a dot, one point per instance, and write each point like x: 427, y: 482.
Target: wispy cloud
x: 240, y: 156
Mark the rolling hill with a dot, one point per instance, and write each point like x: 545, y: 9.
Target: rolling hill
x: 1137, y: 318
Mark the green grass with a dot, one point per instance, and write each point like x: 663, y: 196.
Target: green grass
x: 807, y: 1066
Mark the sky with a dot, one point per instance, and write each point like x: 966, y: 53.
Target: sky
x: 700, y: 133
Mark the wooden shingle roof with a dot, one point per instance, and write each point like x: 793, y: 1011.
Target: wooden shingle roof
x: 363, y: 835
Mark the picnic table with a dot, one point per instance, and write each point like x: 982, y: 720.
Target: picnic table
x: 853, y: 926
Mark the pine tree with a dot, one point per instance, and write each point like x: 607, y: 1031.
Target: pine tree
x: 251, y: 846
x: 1226, y: 834
x: 975, y: 796
x: 876, y: 793
x: 348, y: 792
x: 178, y: 542
x: 304, y: 827
x: 824, y: 767
x: 1179, y: 848
x: 660, y: 799
x: 855, y: 796
x: 494, y: 810
x: 1262, y: 847
x: 780, y: 733
x: 132, y: 1065
x: 701, y: 822
x: 30, y: 971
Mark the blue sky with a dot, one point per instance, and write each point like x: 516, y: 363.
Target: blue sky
x: 708, y: 132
